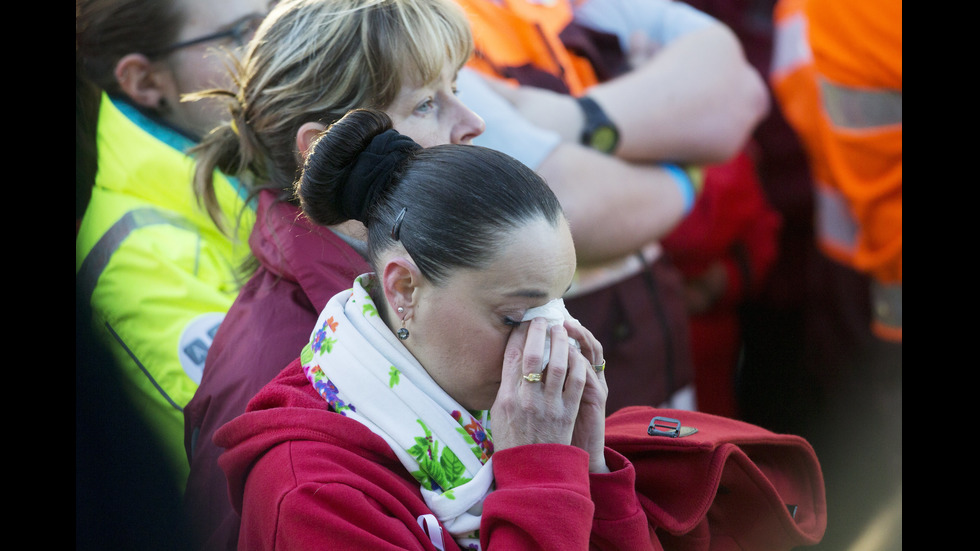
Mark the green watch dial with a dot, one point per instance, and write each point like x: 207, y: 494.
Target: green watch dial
x: 599, y: 132
x: 604, y: 139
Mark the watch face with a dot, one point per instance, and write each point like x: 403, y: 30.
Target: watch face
x: 604, y: 139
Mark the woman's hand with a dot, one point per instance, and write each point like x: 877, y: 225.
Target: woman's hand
x: 529, y: 410
x: 590, y: 425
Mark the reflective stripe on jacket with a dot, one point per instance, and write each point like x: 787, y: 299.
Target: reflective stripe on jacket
x: 157, y: 271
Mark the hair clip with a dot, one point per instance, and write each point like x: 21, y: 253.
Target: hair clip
x: 396, y: 228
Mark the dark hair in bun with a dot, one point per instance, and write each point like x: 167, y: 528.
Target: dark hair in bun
x: 450, y: 206
x: 350, y: 165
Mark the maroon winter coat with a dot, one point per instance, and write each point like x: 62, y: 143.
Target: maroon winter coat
x: 302, y: 265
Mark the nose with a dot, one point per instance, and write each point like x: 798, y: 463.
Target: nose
x: 468, y: 126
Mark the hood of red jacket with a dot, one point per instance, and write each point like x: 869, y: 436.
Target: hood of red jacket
x: 289, y: 409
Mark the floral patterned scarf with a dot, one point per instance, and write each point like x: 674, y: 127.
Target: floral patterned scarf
x: 364, y: 372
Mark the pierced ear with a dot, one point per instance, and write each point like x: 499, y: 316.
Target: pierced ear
x: 305, y: 136
x: 139, y: 80
x: 401, y: 279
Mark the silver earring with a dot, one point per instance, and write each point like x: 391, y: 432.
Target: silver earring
x: 402, y: 333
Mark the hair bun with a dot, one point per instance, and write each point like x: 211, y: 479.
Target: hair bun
x: 372, y: 171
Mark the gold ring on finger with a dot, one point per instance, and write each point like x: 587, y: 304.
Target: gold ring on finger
x: 533, y: 377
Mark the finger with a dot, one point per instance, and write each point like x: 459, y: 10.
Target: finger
x: 533, y: 350
x: 514, y: 356
x: 576, y: 377
x: 558, y: 362
x: 589, y: 345
x: 597, y: 376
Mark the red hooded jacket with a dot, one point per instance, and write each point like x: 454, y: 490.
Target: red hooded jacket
x: 304, y: 477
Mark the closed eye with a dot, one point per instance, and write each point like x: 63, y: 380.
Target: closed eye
x: 511, y: 322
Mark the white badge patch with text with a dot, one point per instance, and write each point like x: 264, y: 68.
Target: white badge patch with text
x: 195, y: 341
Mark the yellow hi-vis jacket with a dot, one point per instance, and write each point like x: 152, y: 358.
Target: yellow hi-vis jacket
x: 157, y: 271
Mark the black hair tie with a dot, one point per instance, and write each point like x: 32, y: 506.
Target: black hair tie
x: 372, y: 170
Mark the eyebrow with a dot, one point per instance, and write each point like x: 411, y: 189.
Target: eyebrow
x: 527, y: 293
x: 533, y: 293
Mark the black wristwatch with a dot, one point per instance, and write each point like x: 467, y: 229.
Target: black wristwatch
x: 599, y: 133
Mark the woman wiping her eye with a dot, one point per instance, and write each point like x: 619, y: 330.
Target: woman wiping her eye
x: 311, y: 62
x: 416, y: 417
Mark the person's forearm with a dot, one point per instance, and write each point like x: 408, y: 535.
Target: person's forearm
x: 696, y: 100
x: 614, y: 207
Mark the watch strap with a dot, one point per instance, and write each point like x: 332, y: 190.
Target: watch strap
x: 599, y: 131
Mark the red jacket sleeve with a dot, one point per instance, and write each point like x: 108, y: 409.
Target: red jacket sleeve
x: 619, y: 521
x: 731, y: 223
x: 546, y: 499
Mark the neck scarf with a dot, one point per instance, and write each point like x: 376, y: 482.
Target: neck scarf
x: 364, y: 372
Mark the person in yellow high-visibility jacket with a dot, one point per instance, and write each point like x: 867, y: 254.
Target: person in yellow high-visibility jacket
x: 156, y: 269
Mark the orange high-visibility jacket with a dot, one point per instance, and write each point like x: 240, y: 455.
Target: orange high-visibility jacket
x: 522, y: 41
x: 837, y: 74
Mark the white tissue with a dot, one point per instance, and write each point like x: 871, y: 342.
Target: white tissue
x: 556, y: 314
